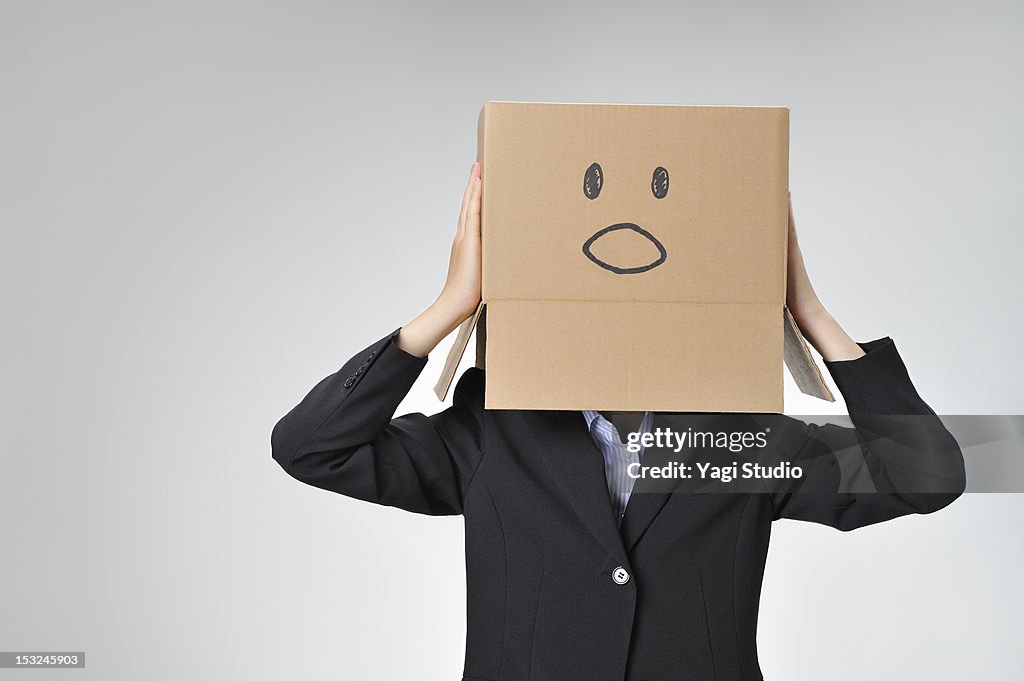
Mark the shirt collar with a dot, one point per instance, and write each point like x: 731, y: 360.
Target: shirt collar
x: 590, y: 415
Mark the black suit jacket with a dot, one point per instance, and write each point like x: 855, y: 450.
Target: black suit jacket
x: 555, y: 590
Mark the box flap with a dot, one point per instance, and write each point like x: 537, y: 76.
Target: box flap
x: 451, y: 363
x: 481, y: 338
x: 800, y: 363
x: 634, y: 356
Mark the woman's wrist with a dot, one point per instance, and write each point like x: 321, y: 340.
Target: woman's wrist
x: 823, y: 332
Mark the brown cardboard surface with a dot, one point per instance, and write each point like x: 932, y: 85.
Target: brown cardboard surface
x: 675, y: 357
x: 801, y: 364
x: 633, y: 257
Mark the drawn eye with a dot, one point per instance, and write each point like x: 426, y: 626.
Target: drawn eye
x: 593, y: 179
x: 659, y: 183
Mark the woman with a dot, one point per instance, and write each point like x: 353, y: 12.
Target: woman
x: 561, y: 583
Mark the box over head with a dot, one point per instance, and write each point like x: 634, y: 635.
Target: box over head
x: 634, y: 258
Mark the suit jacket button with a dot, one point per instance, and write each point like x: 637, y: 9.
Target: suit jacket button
x: 619, y: 575
x: 349, y: 381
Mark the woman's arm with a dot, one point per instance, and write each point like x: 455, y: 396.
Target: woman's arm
x: 898, y: 459
x: 815, y: 322
x: 461, y: 293
x: 343, y: 437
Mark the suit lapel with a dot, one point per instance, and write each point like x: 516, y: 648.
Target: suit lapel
x: 647, y: 498
x: 577, y: 466
x: 649, y: 495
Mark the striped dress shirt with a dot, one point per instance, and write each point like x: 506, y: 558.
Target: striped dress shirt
x: 616, y: 457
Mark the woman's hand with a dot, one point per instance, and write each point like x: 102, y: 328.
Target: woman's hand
x: 460, y: 295
x: 461, y: 292
x: 815, y: 322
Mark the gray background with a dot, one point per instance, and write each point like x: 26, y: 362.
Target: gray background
x: 209, y: 206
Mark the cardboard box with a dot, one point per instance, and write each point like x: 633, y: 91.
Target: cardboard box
x: 634, y: 258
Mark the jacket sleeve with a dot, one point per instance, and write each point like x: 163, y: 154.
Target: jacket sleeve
x: 897, y: 459
x: 343, y: 436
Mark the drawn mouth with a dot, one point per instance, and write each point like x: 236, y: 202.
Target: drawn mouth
x: 624, y: 270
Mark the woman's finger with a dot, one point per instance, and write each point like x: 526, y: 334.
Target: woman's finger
x: 473, y: 216
x: 466, y: 197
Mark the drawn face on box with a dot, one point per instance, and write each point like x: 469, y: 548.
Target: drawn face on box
x: 593, y: 181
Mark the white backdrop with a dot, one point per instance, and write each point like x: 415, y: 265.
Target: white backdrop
x: 209, y: 206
